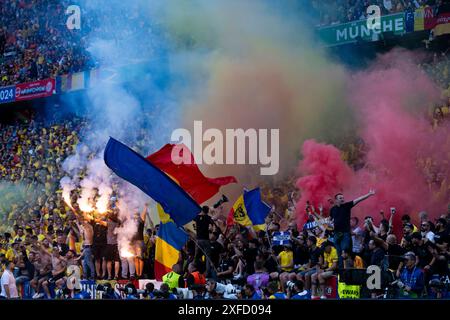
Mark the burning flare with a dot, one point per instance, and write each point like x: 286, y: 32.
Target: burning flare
x: 102, y: 203
x: 126, y: 253
x: 67, y: 187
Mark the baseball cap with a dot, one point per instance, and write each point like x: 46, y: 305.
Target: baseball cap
x: 409, y: 254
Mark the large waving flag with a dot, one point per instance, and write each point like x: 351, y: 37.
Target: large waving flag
x: 169, y: 242
x: 249, y: 210
x: 188, y: 175
x: 134, y: 168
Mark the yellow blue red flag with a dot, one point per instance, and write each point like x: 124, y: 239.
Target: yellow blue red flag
x: 170, y: 239
x: 249, y: 210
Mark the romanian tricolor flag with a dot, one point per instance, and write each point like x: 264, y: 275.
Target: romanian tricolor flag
x: 72, y: 82
x: 131, y: 166
x: 188, y: 175
x: 249, y: 210
x: 169, y: 242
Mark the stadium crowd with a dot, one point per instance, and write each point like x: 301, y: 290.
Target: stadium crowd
x: 44, y: 239
x: 36, y: 44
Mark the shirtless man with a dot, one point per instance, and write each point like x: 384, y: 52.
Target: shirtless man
x: 43, y: 268
x: 87, y: 232
x: 59, y: 264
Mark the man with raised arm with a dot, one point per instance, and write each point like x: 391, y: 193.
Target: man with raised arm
x: 340, y: 213
x: 85, y: 225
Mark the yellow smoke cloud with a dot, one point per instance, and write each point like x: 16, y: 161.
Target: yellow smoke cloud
x: 261, y: 69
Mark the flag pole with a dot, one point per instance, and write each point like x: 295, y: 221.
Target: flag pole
x: 201, y: 249
x: 270, y: 243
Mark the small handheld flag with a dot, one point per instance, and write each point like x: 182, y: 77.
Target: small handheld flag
x: 249, y: 210
x: 281, y: 238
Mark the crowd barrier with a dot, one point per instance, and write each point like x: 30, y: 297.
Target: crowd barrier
x: 335, y: 288
x: 90, y: 286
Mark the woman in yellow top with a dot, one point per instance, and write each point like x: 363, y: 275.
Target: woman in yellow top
x: 286, y: 259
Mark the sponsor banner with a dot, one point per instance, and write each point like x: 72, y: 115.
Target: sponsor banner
x: 352, y: 31
x: 36, y: 89
x: 90, y: 286
x: 7, y: 94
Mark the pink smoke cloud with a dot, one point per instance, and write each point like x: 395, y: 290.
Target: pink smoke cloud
x: 390, y: 100
x: 324, y: 174
x: 404, y: 154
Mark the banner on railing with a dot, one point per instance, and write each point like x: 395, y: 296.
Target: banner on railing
x: 358, y: 30
x: 92, y: 287
x: 36, y: 89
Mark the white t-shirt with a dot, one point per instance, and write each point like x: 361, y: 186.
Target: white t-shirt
x: 8, y: 278
x: 358, y: 239
x: 429, y: 235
